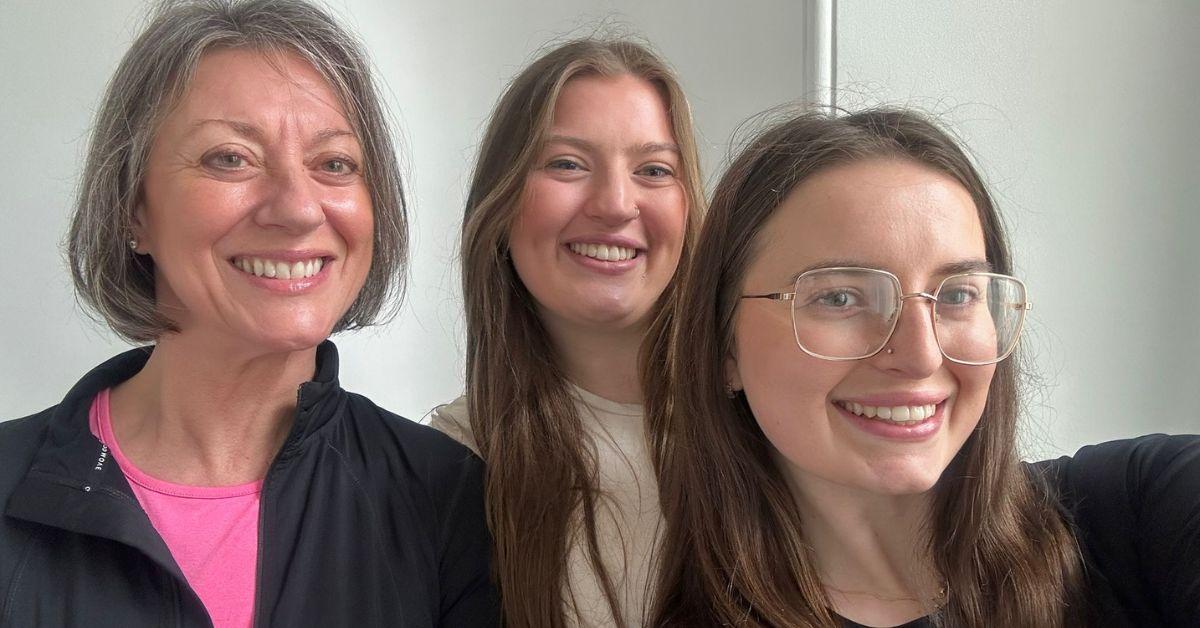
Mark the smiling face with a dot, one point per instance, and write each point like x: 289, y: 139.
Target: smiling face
x: 893, y: 215
x: 253, y: 207
x: 602, y: 216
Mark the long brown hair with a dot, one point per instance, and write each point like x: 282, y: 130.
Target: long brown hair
x: 540, y: 475
x: 734, y: 552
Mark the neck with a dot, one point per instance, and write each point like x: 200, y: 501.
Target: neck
x: 871, y: 551
x: 208, y: 413
x: 601, y: 361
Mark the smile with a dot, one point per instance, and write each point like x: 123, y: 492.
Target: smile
x: 603, y: 252
x: 901, y: 415
x: 273, y: 269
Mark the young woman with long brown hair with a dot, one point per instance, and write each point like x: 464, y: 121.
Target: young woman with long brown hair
x: 584, y: 198
x: 836, y: 433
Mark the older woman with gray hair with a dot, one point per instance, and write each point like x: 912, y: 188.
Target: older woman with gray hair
x: 241, y: 202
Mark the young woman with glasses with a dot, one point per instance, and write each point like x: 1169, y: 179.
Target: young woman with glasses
x: 584, y: 198
x: 836, y: 433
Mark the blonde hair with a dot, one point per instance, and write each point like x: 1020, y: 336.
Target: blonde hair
x: 540, y: 476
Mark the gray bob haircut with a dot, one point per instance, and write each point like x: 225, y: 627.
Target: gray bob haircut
x: 118, y: 285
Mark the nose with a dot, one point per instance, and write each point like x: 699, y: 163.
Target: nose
x: 613, y: 198
x: 293, y: 201
x: 914, y: 350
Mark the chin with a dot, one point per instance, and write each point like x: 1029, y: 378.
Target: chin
x: 618, y: 310
x: 902, y: 480
x: 293, y: 339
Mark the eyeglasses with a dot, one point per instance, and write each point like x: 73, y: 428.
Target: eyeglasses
x: 851, y: 313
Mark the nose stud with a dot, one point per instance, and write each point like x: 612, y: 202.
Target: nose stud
x: 889, y: 351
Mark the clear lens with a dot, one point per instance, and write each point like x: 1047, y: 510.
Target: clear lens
x: 844, y: 314
x: 978, y: 317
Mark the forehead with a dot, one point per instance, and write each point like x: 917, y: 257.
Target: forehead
x: 257, y: 87
x: 612, y: 107
x: 891, y: 214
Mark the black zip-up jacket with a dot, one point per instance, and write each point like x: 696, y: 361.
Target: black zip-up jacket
x: 366, y: 519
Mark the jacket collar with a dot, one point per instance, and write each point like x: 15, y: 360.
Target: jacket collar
x: 74, y: 484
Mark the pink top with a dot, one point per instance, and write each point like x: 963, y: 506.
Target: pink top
x: 212, y: 531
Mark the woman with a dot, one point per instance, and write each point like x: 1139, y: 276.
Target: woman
x: 583, y: 200
x: 240, y: 202
x: 839, y: 422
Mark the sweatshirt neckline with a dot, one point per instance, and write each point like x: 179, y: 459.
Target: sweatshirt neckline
x: 596, y: 402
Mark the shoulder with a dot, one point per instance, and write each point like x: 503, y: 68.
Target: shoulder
x: 453, y: 420
x: 20, y: 440
x: 18, y: 433
x: 1124, y: 468
x: 433, y: 457
x: 1134, y: 506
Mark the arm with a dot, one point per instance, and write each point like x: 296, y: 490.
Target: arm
x: 468, y: 597
x: 1135, y: 505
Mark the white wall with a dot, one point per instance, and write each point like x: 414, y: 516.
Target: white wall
x: 444, y: 63
x: 1083, y: 117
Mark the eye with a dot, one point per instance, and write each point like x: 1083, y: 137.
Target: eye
x: 226, y: 160
x: 656, y: 171
x: 958, y: 295
x: 339, y: 166
x: 837, y: 299
x: 564, y: 164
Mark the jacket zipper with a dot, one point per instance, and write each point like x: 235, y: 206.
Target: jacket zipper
x: 262, y: 520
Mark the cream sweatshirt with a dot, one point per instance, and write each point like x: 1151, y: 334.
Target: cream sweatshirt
x: 628, y: 517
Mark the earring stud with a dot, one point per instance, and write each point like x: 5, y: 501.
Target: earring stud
x: 133, y: 244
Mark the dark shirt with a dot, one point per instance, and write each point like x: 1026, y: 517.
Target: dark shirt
x: 366, y: 519
x: 1134, y: 506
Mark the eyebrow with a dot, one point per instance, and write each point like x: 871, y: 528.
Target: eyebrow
x: 638, y: 149
x: 256, y: 134
x: 952, y: 268
x: 241, y: 128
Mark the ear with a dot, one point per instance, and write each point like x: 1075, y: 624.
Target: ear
x: 733, y: 378
x: 137, y: 229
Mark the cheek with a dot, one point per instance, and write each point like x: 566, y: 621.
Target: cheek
x: 974, y: 383
x: 353, y: 218
x: 546, y: 208
x: 187, y: 215
x: 785, y: 389
x: 665, y: 217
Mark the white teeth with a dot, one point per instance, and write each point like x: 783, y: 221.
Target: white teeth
x: 906, y: 415
x: 603, y: 252
x: 279, y: 270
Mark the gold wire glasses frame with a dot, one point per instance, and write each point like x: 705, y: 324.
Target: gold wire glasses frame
x: 1016, y: 306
